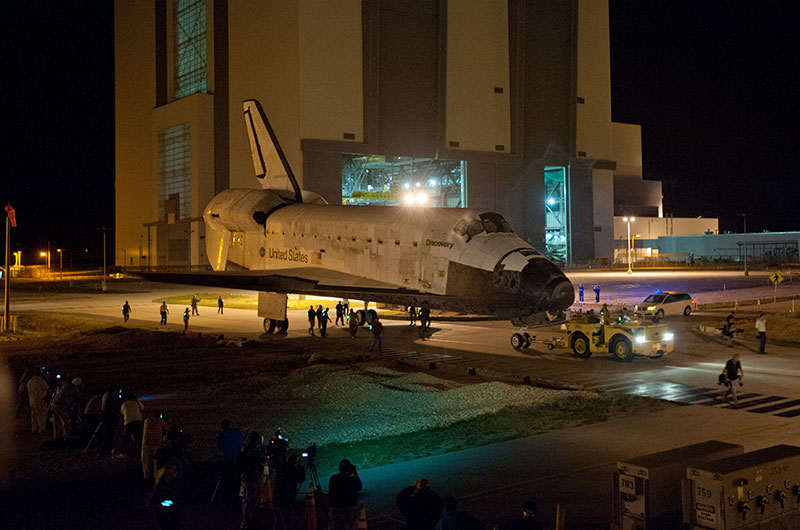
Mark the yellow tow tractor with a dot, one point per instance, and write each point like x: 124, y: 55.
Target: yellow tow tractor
x: 587, y: 334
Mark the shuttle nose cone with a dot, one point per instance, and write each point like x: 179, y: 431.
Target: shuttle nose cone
x: 562, y: 297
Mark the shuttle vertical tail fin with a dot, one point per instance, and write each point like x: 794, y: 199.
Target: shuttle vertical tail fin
x: 269, y: 162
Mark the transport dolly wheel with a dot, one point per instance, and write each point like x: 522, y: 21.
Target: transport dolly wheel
x: 269, y: 325
x: 528, y: 339
x: 517, y: 341
x: 283, y: 326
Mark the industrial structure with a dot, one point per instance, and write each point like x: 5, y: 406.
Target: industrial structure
x: 501, y: 105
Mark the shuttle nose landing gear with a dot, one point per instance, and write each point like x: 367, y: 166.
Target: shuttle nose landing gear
x: 271, y: 325
x: 521, y: 340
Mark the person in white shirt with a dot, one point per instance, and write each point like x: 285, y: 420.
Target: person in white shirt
x: 37, y: 393
x: 131, y: 411
x: 761, y: 327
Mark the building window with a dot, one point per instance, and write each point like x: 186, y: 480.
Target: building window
x: 556, y: 221
x: 174, y: 172
x: 398, y: 180
x: 190, y: 47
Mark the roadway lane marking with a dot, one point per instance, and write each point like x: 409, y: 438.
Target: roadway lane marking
x: 777, y: 406
x: 753, y: 403
x: 789, y: 413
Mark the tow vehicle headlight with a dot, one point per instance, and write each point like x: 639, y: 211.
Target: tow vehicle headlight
x: 668, y: 336
x: 639, y: 339
x: 651, y: 308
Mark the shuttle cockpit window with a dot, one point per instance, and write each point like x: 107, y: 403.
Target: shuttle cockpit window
x: 494, y: 223
x: 468, y: 228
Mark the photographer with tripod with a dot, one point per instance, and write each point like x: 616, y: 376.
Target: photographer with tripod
x: 343, y: 491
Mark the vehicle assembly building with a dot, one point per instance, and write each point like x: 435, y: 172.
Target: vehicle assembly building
x: 500, y: 104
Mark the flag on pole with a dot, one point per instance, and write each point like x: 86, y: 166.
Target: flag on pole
x: 12, y: 215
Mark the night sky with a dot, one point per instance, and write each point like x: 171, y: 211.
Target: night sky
x: 710, y: 82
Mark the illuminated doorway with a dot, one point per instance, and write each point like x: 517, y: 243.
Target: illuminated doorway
x: 556, y: 214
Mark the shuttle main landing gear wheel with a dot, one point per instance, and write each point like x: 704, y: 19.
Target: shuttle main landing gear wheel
x: 271, y: 325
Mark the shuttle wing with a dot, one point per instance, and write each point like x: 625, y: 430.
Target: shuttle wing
x: 270, y: 164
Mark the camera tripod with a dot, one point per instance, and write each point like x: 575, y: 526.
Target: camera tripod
x: 311, y: 471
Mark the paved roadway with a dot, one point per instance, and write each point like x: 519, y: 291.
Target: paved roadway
x: 572, y: 467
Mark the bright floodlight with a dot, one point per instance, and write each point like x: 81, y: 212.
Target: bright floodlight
x: 42, y: 254
x: 633, y: 219
x: 418, y: 184
x: 421, y: 198
x: 432, y: 183
x: 406, y: 186
x: 409, y: 198
x: 551, y: 201
x: 624, y: 219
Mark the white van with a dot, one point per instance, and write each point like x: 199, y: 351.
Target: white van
x: 659, y: 304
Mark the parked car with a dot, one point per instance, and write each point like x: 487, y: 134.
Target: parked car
x: 660, y: 304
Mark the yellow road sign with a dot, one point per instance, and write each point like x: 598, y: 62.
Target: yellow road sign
x: 776, y: 277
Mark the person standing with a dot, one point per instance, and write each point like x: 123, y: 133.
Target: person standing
x: 37, y: 399
x: 377, y: 335
x: 733, y: 374
x: 319, y: 316
x: 109, y: 417
x: 152, y: 440
x: 185, y: 320
x: 453, y: 519
x: 195, y: 312
x: 343, y: 489
x: 287, y: 478
x: 66, y: 397
x: 251, y: 471
x: 339, y: 313
x: 412, y: 315
x: 729, y: 327
x: 420, y: 506
x: 164, y: 310
x: 761, y: 328
x: 312, y: 317
x: 220, y: 306
x: 229, y: 443
x: 352, y: 323
x: 131, y: 411
x: 324, y: 322
x: 126, y: 311
x: 596, y: 294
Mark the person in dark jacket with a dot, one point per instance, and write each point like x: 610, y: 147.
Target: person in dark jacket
x: 251, y: 470
x: 339, y: 313
x: 167, y: 498
x: 312, y: 318
x: 287, y: 478
x: 324, y: 319
x: 229, y: 443
x: 420, y: 506
x: 453, y: 519
x: 343, y: 491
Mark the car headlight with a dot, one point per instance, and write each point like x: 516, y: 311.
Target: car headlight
x: 639, y: 339
x: 651, y: 308
x: 668, y: 336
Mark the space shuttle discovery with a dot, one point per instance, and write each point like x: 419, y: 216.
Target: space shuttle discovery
x: 283, y: 239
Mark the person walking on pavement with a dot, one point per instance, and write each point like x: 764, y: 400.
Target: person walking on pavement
x: 195, y: 312
x: 339, y: 313
x: 324, y: 321
x: 528, y: 521
x: 733, y: 374
x: 37, y: 399
x: 761, y: 328
x: 185, y: 320
x: 412, y: 315
x: 420, y: 506
x: 164, y: 310
x: 377, y: 335
x: 126, y: 311
x: 312, y: 318
x: 343, y: 489
x: 352, y: 323
x: 220, y: 306
x: 319, y: 316
x: 729, y: 327
x: 251, y: 470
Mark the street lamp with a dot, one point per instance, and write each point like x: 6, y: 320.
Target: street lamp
x: 60, y: 263
x: 629, y: 220
x: 46, y: 256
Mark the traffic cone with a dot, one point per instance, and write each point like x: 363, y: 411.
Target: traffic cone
x: 265, y: 500
x: 311, y: 509
x: 362, y: 518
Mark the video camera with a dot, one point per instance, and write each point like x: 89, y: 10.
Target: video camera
x: 310, y: 454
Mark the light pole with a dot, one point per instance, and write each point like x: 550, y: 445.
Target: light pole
x: 103, y: 283
x: 744, y: 217
x: 60, y: 263
x: 11, y: 220
x: 629, y: 220
x: 46, y: 255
